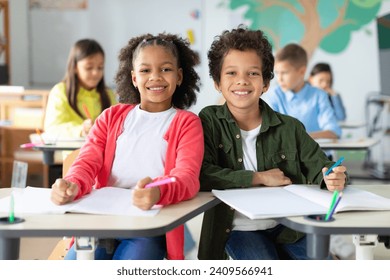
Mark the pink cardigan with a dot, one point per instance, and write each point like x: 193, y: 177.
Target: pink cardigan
x: 184, y: 157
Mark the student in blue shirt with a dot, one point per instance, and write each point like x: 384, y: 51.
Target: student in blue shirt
x: 321, y: 76
x: 296, y: 98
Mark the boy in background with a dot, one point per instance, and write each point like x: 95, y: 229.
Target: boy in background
x: 296, y: 98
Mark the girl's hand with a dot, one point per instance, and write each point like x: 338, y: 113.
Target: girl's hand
x: 87, y: 124
x: 63, y: 191
x: 145, y: 198
x: 336, y: 179
x: 330, y: 91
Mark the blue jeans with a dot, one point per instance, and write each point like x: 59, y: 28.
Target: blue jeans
x: 261, y: 245
x: 133, y: 245
x: 143, y: 248
x: 189, y: 242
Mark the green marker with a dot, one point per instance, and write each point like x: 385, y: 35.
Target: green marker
x: 11, y: 217
x: 334, y: 198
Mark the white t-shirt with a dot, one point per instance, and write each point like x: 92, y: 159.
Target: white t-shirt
x: 141, y: 148
x: 240, y: 221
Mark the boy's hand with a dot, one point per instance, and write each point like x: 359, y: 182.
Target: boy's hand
x: 336, y: 179
x: 272, y: 178
x: 145, y: 198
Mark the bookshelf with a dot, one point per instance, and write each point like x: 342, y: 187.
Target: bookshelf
x: 4, y: 43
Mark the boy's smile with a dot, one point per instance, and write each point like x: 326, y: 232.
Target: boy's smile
x: 241, y: 79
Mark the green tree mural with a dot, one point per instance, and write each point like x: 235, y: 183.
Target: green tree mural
x: 325, y: 24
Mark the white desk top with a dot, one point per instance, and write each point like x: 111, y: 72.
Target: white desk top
x: 350, y: 124
x: 348, y: 144
x: 104, y: 225
x: 20, y: 92
x: 60, y: 146
x: 354, y: 222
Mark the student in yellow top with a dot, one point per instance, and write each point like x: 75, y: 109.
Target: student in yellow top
x: 82, y: 95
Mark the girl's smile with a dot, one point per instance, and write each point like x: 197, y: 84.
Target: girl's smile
x: 156, y: 75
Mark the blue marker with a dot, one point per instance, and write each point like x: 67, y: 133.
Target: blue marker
x: 334, y: 165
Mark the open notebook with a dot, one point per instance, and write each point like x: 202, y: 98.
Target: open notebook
x: 297, y: 200
x: 105, y: 201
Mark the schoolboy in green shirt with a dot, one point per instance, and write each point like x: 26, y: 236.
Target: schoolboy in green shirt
x: 247, y: 144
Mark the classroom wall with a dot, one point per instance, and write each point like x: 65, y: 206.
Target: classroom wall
x: 48, y: 34
x: 40, y: 42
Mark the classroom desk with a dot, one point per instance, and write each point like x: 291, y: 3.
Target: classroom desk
x: 100, y: 226
x: 54, y: 170
x: 354, y: 222
x: 24, y: 94
x: 349, y: 144
x: 365, y: 144
x: 353, y: 125
x: 49, y: 149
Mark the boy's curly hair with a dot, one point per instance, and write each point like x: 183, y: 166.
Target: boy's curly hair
x: 241, y: 39
x: 185, y: 94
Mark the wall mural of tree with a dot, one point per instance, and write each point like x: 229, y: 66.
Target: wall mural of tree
x: 325, y: 24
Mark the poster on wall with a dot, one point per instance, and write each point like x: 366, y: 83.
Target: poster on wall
x: 58, y: 4
x: 323, y: 24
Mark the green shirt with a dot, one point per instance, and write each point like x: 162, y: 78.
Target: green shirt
x: 282, y: 143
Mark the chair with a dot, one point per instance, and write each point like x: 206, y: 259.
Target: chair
x: 62, y: 246
x: 377, y: 111
x: 69, y: 160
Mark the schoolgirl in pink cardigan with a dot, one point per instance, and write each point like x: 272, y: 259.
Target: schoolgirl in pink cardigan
x: 146, y: 138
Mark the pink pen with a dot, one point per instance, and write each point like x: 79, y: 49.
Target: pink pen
x: 161, y: 182
x: 27, y: 145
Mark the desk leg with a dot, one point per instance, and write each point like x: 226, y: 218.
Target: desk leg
x: 365, y: 244
x: 9, y: 248
x: 48, y: 157
x: 317, y: 246
x: 51, y: 173
x: 85, y: 248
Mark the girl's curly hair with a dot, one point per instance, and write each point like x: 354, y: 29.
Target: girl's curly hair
x: 185, y: 94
